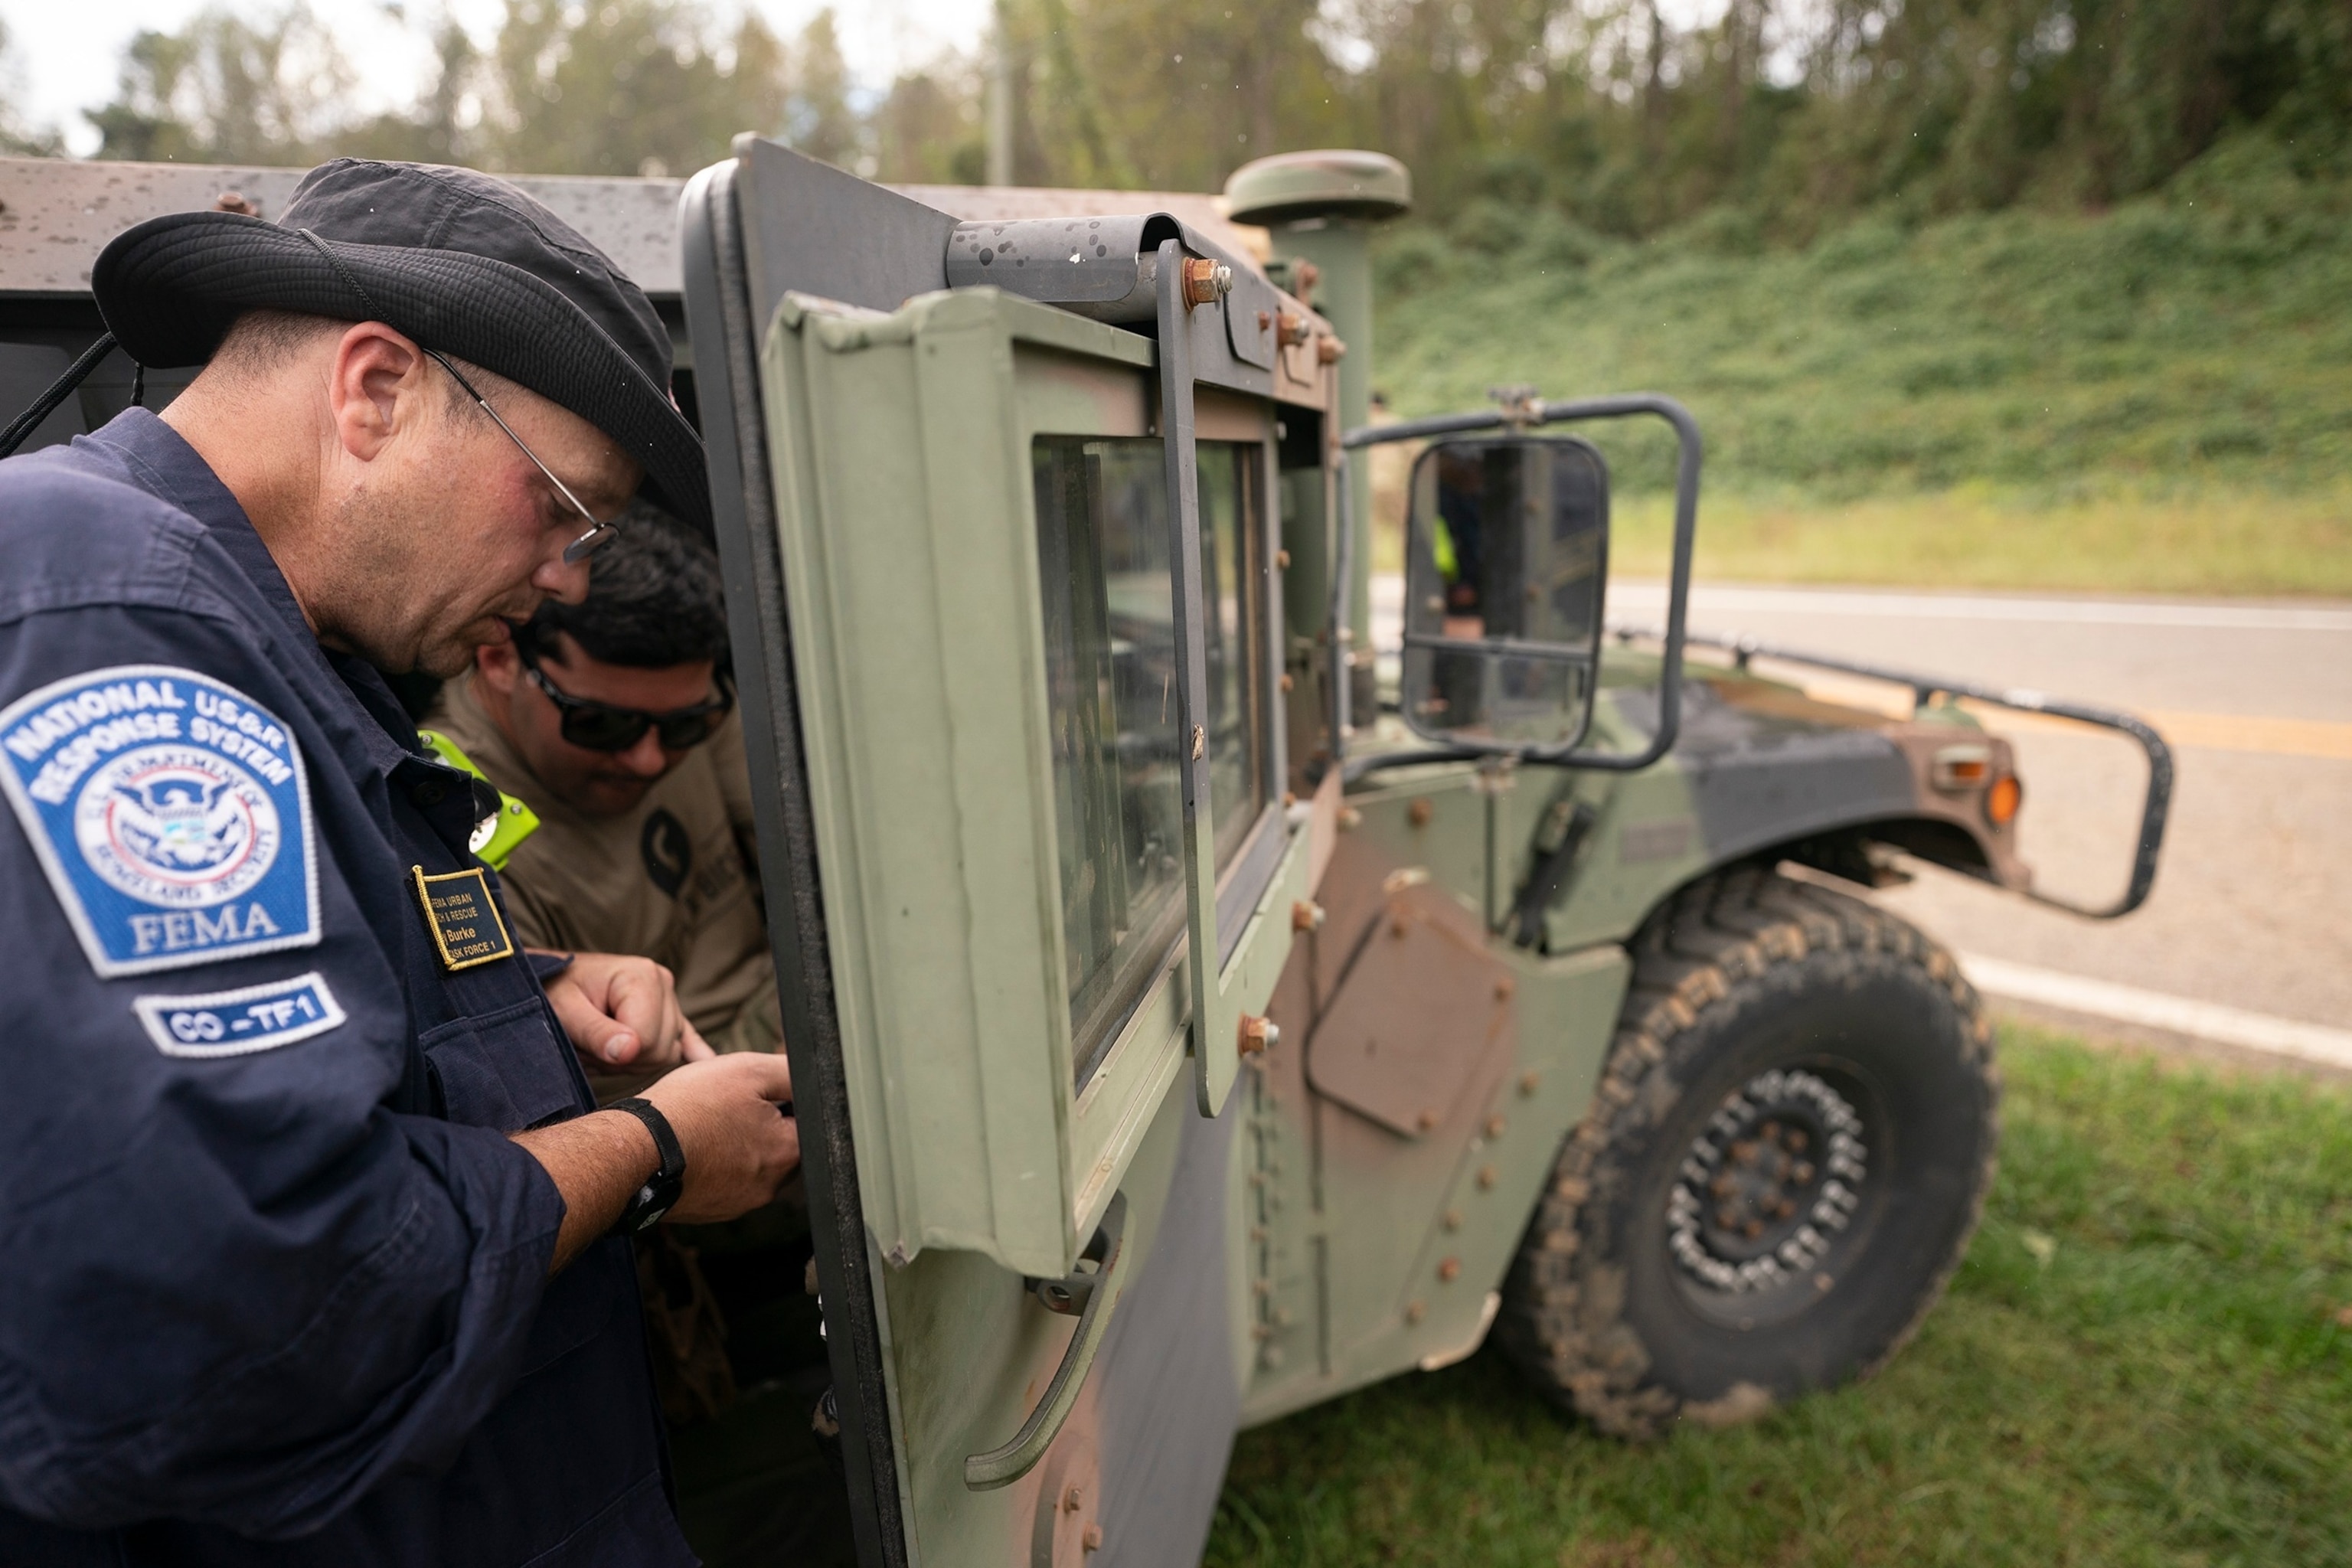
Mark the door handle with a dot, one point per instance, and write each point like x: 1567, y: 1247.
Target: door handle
x: 1091, y: 1293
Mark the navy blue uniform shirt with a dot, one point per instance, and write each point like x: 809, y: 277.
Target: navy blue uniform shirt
x: 273, y: 1276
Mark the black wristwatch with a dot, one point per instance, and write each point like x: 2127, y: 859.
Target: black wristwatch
x: 659, y: 1194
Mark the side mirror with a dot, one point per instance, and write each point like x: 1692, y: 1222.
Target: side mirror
x: 1507, y: 558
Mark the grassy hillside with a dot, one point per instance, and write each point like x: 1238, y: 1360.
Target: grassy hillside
x: 2154, y: 397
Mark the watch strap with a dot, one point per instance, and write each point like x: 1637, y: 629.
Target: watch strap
x: 673, y: 1153
x: 659, y: 1193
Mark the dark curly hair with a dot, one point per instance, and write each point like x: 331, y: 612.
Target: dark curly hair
x: 654, y: 599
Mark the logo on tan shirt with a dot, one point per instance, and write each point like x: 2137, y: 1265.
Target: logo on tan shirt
x: 669, y: 852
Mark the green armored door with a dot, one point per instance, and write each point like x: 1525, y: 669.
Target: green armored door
x: 1003, y: 573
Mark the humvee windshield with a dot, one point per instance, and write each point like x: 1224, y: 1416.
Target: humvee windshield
x: 1110, y: 669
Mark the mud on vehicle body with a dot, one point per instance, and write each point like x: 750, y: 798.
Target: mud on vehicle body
x: 1542, y: 999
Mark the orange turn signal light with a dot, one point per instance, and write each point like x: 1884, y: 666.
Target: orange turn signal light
x: 2002, y: 800
x: 1960, y: 769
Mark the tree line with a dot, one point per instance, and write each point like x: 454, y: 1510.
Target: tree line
x: 1627, y: 115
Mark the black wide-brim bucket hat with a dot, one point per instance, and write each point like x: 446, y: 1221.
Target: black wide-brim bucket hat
x: 459, y: 261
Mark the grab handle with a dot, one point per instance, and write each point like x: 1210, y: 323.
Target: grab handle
x: 1093, y: 1294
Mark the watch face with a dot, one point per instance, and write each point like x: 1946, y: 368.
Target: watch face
x: 654, y: 1200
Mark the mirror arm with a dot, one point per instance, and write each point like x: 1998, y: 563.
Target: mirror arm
x: 1340, y: 634
x: 1670, y: 676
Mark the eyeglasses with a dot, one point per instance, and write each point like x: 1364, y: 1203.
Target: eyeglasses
x: 601, y: 727
x: 598, y: 532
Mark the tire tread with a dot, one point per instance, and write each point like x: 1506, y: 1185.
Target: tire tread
x: 1707, y: 944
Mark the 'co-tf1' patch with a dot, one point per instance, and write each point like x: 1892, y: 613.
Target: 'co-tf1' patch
x: 237, y: 1023
x: 170, y: 811
x: 463, y: 917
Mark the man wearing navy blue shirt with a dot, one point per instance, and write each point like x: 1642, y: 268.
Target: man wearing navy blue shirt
x: 313, y: 1229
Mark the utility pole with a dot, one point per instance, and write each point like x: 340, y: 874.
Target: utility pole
x: 999, y: 106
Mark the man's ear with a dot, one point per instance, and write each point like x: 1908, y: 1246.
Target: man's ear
x: 499, y: 667
x: 377, y: 380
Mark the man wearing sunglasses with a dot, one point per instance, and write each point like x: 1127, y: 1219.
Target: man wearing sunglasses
x: 613, y: 719
x: 316, y: 1235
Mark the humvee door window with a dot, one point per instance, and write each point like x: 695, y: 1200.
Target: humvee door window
x: 1110, y: 673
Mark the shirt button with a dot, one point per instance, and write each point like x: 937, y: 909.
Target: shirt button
x: 428, y: 794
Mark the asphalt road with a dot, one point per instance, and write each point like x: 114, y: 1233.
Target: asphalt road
x: 2249, y: 908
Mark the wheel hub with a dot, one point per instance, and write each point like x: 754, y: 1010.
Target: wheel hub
x: 1768, y: 1185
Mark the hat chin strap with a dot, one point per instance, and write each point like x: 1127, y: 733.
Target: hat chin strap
x: 75, y: 373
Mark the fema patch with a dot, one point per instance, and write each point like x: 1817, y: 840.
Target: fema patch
x: 171, y: 814
x: 233, y: 1023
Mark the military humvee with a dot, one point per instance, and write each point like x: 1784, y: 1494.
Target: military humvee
x: 1185, y: 1029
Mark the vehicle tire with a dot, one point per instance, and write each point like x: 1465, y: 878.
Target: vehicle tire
x: 1788, y: 1152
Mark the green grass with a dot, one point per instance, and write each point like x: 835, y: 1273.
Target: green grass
x: 2246, y: 541
x: 2175, y: 374
x: 2141, y: 1361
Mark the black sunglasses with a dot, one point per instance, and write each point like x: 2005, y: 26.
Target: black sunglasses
x: 601, y: 727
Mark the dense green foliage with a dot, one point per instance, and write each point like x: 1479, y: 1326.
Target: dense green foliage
x: 1774, y: 115
x: 2200, y: 336
x: 2146, y: 1358
x: 2157, y: 397
x: 629, y: 87
x: 1609, y: 111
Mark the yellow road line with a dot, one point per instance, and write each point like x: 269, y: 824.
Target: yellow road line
x: 2203, y: 731
x: 2325, y: 739
x: 2244, y: 732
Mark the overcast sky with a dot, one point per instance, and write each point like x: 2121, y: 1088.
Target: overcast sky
x: 65, y: 57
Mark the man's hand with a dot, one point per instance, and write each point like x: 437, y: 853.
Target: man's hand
x: 738, y: 1146
x: 622, y: 1014
x: 726, y: 1115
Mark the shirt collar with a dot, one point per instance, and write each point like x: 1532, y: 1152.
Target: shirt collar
x: 162, y: 463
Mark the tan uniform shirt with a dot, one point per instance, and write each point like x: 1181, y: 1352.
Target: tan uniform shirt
x: 673, y: 880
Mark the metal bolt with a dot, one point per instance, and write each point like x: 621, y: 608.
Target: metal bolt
x: 1291, y: 331
x: 1285, y: 682
x: 1265, y: 320
x: 1453, y: 1219
x: 1349, y: 818
x: 1259, y: 1033
x: 1281, y: 559
x: 1414, y: 1312
x: 1305, y: 275
x: 1328, y: 350
x: 1486, y: 1178
x: 1419, y: 813
x: 1494, y: 1125
x: 1503, y: 989
x: 237, y: 201
x: 1072, y: 1499
x: 1307, y: 915
x: 1427, y: 1119
x: 1206, y: 282
x: 1450, y: 1270
x: 1527, y: 1084
x: 1092, y: 1538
